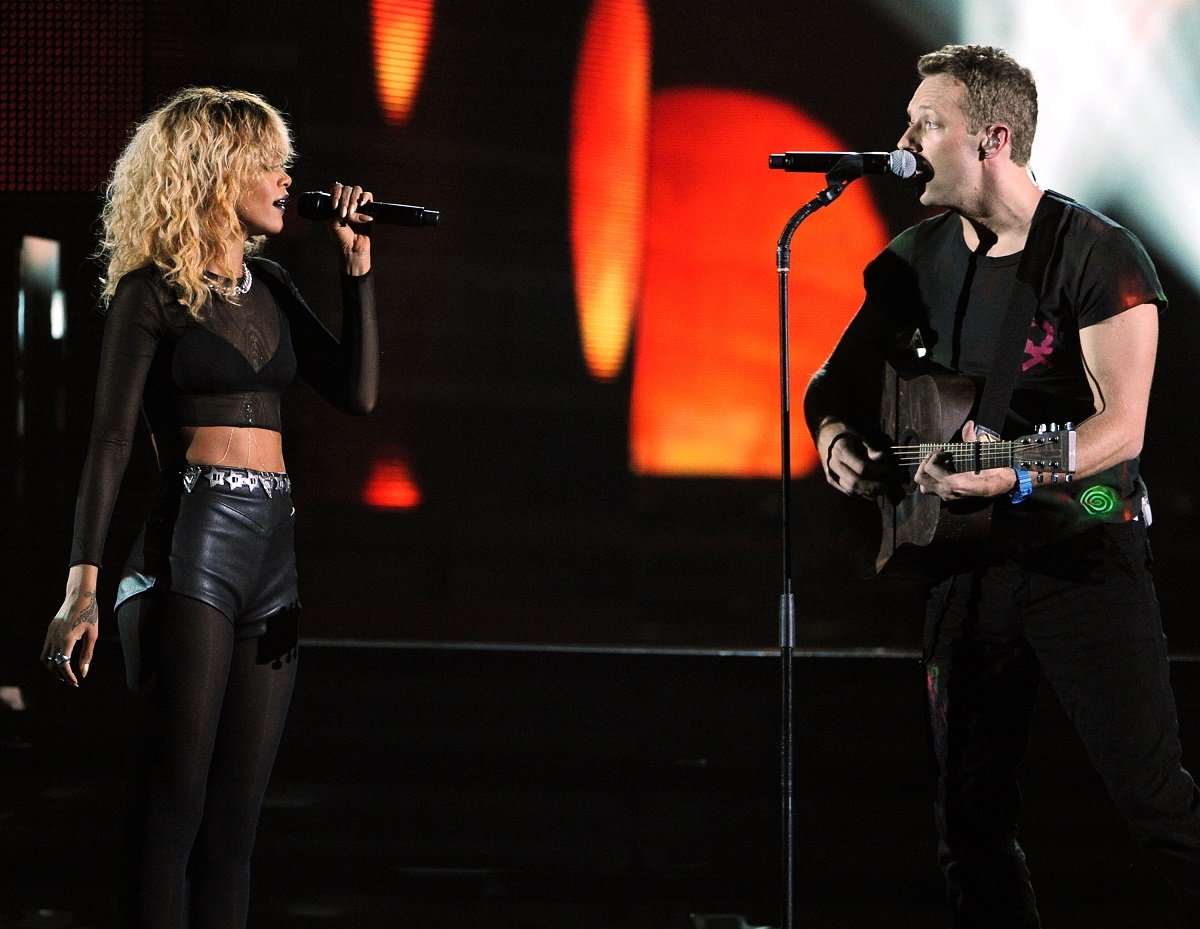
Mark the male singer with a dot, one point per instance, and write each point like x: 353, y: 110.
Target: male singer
x: 1062, y: 586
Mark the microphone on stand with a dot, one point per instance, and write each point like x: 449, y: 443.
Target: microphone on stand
x: 847, y: 166
x: 316, y: 204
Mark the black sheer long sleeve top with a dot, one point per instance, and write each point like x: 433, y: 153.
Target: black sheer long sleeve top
x: 229, y: 368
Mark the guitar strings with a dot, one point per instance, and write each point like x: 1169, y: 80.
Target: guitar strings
x: 970, y: 452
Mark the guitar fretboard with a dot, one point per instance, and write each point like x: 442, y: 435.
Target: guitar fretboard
x: 1038, y: 452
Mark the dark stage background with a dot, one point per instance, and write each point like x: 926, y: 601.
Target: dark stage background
x: 543, y: 691
x: 532, y: 526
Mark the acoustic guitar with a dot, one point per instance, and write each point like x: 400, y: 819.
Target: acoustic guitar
x: 923, y: 412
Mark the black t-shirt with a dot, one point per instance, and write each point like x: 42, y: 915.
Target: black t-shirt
x: 928, y: 280
x: 228, y: 368
x: 958, y: 299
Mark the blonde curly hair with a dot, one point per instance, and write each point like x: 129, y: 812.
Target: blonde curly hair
x: 173, y: 196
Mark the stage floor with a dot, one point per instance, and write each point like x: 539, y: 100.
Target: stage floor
x: 452, y: 786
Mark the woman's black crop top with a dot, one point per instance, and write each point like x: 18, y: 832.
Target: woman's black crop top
x: 228, y: 368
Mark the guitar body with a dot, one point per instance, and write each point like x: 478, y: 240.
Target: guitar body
x: 917, y: 408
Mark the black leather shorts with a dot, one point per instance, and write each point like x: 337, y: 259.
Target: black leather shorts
x: 223, y: 536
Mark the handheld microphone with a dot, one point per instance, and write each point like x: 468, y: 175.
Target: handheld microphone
x: 316, y: 204
x: 847, y: 166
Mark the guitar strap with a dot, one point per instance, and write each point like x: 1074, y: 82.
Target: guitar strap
x: 1040, y: 247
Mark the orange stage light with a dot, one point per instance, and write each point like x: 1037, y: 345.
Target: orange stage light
x: 401, y: 33
x: 608, y: 163
x: 391, y: 485
x: 706, y: 368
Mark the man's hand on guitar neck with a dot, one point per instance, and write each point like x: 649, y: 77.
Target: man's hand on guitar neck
x: 936, y: 474
x: 851, y: 465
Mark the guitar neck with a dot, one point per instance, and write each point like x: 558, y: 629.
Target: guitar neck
x: 967, y: 456
x: 1045, y: 451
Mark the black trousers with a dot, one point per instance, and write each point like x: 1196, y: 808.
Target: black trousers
x: 1084, y: 616
x: 207, y: 614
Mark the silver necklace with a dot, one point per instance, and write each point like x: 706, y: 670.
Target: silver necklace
x: 242, y: 287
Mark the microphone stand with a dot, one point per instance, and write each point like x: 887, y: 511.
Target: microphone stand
x: 787, y: 605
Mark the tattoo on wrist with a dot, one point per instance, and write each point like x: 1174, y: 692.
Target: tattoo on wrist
x: 90, y: 614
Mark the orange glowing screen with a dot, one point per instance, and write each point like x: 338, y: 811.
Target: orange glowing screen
x: 609, y: 135
x: 391, y: 485
x: 401, y: 34
x: 706, y: 376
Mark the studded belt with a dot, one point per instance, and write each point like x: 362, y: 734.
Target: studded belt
x: 243, y: 480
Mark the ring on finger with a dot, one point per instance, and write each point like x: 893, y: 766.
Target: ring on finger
x: 60, y: 659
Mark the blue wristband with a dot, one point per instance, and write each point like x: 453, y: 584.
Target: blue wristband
x: 1024, y: 486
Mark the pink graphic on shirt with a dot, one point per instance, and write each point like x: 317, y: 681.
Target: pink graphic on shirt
x: 1040, y: 354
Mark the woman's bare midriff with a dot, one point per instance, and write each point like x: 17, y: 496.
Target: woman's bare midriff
x: 234, y: 447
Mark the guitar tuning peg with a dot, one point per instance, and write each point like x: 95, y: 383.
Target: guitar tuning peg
x: 1040, y: 429
x: 1054, y: 427
x: 1070, y: 427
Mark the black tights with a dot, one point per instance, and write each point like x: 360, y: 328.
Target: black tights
x: 210, y: 712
